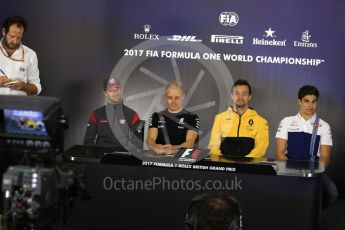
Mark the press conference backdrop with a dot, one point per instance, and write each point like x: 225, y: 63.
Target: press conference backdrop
x: 277, y: 46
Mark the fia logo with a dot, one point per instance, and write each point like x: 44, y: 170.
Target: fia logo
x: 228, y: 18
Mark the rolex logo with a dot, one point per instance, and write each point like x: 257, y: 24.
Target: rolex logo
x: 147, y: 28
x: 146, y: 35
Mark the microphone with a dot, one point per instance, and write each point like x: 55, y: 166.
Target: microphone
x: 140, y: 126
x: 137, y: 138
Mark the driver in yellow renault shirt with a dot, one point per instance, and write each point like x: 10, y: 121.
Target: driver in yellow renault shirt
x: 239, y: 131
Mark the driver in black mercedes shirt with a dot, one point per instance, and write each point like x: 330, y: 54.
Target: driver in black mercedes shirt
x: 174, y: 127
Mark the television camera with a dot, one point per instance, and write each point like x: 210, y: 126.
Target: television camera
x: 38, y: 187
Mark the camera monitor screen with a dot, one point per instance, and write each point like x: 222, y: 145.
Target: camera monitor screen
x: 24, y: 122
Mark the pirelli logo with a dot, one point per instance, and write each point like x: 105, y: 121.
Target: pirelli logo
x: 227, y: 39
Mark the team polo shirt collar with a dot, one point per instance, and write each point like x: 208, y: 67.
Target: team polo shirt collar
x: 248, y: 112
x: 309, y: 121
x: 166, y: 111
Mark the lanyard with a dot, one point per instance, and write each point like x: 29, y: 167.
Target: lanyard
x: 313, y: 137
x: 164, y: 129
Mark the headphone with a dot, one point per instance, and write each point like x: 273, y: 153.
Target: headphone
x: 191, y: 220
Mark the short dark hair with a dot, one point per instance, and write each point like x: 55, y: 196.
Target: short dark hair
x: 214, y: 212
x: 14, y: 19
x: 242, y: 82
x: 308, y: 90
